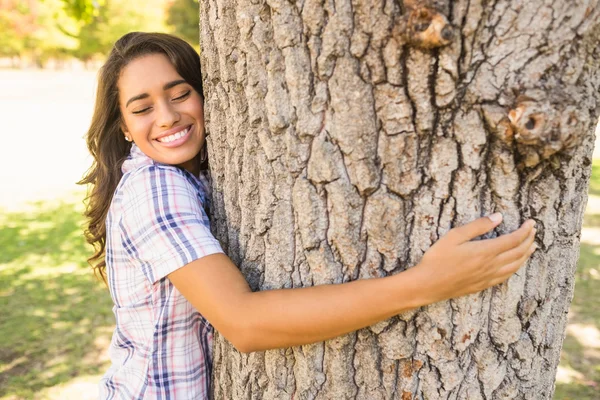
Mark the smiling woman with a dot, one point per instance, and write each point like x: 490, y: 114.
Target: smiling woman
x: 162, y: 113
x: 145, y: 209
x: 168, y: 277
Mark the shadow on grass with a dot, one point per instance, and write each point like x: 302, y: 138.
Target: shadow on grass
x: 580, y: 359
x: 56, y: 317
x: 53, y: 230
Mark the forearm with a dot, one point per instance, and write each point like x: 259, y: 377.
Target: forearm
x: 289, y: 317
x: 453, y: 267
x: 270, y: 319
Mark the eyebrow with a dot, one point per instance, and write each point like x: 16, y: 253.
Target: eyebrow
x: 167, y: 86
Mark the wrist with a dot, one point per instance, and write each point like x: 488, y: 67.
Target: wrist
x: 417, y: 288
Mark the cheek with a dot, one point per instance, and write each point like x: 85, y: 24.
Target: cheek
x: 196, y: 108
x: 138, y: 125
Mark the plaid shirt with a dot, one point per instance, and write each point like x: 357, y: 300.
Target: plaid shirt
x: 161, y: 346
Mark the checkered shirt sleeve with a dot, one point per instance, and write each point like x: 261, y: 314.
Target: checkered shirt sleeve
x: 163, y: 225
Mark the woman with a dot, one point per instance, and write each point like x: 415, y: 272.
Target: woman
x: 168, y: 276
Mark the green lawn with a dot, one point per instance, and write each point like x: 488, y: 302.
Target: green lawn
x: 56, y: 318
x: 595, y: 181
x: 579, y: 372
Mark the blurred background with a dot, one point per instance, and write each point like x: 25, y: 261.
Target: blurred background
x: 56, y: 319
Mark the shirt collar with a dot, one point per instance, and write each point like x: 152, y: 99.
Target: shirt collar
x: 136, y: 159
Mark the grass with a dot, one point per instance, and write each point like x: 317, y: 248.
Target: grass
x: 579, y: 371
x: 578, y: 376
x: 595, y: 181
x: 56, y: 317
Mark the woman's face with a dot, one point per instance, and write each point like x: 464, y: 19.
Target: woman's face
x: 162, y: 113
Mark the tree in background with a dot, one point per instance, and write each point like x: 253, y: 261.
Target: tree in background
x: 98, y: 34
x: 17, y: 23
x: 31, y: 29
x: 50, y: 40
x: 43, y: 29
x: 103, y: 22
x: 83, y: 10
x: 182, y: 18
x: 106, y: 24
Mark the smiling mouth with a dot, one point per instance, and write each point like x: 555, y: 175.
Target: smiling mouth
x: 175, y: 136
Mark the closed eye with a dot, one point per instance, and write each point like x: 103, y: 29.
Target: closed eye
x: 178, y: 98
x: 141, y: 111
x: 183, y: 96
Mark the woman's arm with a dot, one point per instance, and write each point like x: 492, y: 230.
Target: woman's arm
x: 252, y: 321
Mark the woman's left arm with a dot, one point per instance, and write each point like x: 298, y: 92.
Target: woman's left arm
x: 269, y: 319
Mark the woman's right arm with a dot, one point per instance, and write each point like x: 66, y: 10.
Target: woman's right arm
x: 454, y: 266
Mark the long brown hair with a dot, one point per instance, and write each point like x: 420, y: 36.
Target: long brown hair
x: 106, y: 141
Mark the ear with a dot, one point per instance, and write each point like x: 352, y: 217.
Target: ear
x: 125, y: 132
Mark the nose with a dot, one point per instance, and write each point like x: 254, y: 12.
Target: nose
x: 166, y: 115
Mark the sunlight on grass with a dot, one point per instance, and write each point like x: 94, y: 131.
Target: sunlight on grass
x: 567, y: 375
x: 81, y: 388
x: 56, y: 318
x: 587, y: 335
x: 578, y: 376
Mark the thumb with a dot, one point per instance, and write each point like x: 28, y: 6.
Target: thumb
x: 476, y: 228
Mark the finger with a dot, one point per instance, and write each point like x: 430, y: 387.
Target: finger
x: 500, y: 280
x: 518, y: 252
x: 510, y: 240
x: 475, y: 228
x: 504, y: 275
x: 513, y: 267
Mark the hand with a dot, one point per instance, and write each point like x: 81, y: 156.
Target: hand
x: 455, y: 266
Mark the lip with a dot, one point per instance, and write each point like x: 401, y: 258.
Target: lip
x: 171, y: 131
x: 177, y: 142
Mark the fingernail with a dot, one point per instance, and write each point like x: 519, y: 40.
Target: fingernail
x: 495, y: 218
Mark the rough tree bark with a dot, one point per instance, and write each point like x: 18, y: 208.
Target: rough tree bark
x: 346, y: 136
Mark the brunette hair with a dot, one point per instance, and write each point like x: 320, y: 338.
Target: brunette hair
x: 105, y: 140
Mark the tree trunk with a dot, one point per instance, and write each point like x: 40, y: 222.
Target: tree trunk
x: 347, y: 136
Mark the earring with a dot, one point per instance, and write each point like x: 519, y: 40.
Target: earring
x: 128, y: 138
x: 204, y: 155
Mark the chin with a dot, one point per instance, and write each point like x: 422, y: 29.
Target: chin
x: 182, y: 158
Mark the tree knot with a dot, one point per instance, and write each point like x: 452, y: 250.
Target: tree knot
x: 424, y: 26
x: 545, y: 123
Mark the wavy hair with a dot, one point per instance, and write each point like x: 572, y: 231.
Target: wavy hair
x: 106, y: 141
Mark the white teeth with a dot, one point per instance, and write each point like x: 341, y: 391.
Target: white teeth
x: 174, y: 136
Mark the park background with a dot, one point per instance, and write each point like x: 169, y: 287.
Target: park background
x: 56, y: 319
